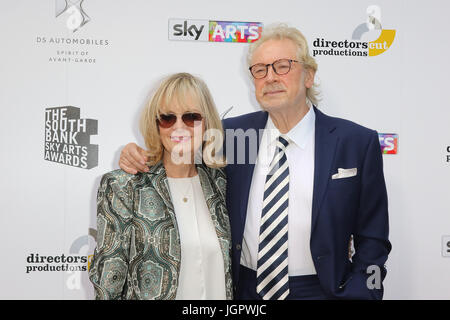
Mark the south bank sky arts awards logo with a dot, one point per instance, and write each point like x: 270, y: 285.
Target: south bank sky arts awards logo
x: 356, y: 47
x: 67, y: 138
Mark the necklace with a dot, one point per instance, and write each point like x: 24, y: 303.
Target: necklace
x: 185, y: 198
x: 178, y: 184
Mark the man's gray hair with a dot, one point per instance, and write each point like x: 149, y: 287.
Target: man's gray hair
x: 283, y: 31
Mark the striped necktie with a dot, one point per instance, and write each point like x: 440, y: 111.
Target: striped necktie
x: 272, y: 267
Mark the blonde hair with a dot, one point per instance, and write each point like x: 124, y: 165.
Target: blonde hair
x: 282, y: 31
x: 179, y: 86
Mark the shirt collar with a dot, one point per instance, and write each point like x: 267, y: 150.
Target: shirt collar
x: 300, y: 133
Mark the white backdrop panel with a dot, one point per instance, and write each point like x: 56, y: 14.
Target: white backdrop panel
x: 49, y: 207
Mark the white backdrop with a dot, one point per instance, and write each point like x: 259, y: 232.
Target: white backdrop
x: 48, y: 207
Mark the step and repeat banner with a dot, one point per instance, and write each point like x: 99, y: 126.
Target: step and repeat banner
x: 74, y: 76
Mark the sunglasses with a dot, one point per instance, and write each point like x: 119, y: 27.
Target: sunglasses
x: 189, y: 119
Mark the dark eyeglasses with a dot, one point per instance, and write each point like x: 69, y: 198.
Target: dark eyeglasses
x: 189, y: 118
x: 280, y: 67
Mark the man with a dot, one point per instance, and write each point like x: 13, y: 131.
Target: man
x: 315, y: 183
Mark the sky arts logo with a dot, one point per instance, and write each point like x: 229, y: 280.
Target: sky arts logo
x: 214, y: 31
x: 356, y: 46
x: 388, y: 143
x: 446, y: 246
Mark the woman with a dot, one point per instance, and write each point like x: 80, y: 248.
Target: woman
x: 165, y: 234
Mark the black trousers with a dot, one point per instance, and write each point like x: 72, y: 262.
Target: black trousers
x: 300, y: 287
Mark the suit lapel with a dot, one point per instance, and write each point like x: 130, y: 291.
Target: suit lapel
x: 209, y: 192
x: 245, y: 171
x: 161, y: 185
x: 325, y: 145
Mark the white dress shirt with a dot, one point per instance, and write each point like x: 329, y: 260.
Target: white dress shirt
x: 300, y: 157
x: 202, y: 273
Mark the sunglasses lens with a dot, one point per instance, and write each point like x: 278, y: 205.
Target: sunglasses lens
x: 167, y: 120
x: 190, y: 119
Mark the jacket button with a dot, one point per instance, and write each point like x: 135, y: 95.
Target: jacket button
x: 238, y: 247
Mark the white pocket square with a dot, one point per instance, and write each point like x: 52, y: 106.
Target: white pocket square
x: 344, y: 173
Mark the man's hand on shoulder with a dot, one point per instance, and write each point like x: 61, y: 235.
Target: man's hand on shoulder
x: 133, y: 158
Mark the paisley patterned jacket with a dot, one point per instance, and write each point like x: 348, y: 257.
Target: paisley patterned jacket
x: 138, y: 244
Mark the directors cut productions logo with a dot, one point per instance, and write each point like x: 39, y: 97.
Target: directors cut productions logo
x: 76, y: 264
x: 67, y: 138
x: 214, y: 31
x: 448, y: 154
x: 388, y: 143
x: 356, y: 47
x: 55, y: 263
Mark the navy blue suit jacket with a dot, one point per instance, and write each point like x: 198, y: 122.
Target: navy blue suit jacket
x: 355, y: 206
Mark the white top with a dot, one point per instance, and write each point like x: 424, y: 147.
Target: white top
x: 202, y: 274
x: 300, y: 157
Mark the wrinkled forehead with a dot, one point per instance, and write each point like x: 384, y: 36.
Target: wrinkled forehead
x: 275, y: 49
